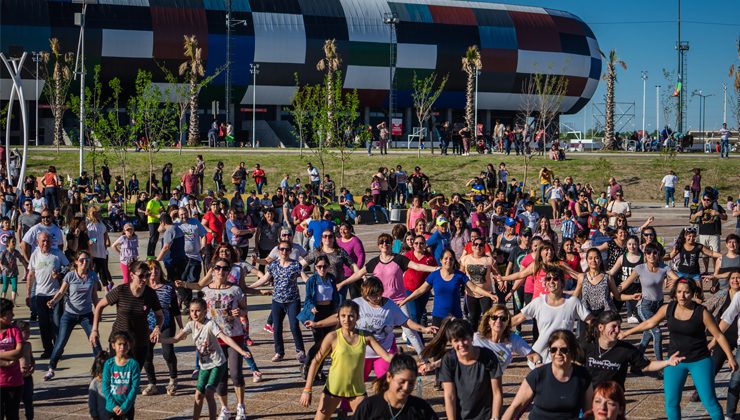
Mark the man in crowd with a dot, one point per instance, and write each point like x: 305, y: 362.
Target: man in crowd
x: 195, y: 234
x: 709, y: 216
x: 154, y: 208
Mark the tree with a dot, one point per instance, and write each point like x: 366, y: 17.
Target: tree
x: 471, y: 64
x: 735, y: 74
x: 57, y: 83
x: 341, y: 126
x: 424, y: 96
x: 94, y: 111
x: 117, y: 135
x: 303, y: 106
x: 192, y: 69
x: 152, y: 116
x: 329, y: 64
x: 610, y: 141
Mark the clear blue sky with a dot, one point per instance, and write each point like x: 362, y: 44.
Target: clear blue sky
x: 644, y: 36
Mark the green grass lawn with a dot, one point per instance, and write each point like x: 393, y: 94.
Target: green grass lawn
x: 640, y: 176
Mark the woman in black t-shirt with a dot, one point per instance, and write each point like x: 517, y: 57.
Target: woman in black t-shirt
x: 557, y: 390
x: 393, y: 399
x: 689, y: 253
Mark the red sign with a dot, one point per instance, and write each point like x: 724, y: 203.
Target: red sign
x: 396, y: 127
x: 250, y: 109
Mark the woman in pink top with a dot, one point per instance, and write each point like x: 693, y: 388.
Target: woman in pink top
x: 544, y: 256
x: 415, y: 212
x: 11, y: 377
x: 352, y: 245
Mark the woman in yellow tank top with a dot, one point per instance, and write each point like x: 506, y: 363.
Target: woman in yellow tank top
x: 345, y: 380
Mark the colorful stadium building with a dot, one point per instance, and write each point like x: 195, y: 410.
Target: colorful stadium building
x: 286, y: 37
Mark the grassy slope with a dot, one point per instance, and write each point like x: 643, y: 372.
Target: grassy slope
x: 639, y: 176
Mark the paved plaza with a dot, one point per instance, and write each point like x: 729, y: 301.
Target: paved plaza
x: 277, y: 396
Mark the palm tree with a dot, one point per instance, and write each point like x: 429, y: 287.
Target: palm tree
x: 192, y: 69
x: 57, y: 84
x: 330, y: 64
x: 735, y: 73
x: 610, y: 142
x: 471, y: 64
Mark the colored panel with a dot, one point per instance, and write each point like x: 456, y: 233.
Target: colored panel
x: 488, y: 17
x: 221, y: 5
x: 367, y: 54
x: 574, y: 44
x: 500, y: 61
x: 553, y: 63
x: 279, y: 38
x: 373, y: 97
x: 365, y: 20
x: 119, y: 17
x: 276, y: 6
x: 496, y: 82
x: 404, y: 77
x: 24, y: 13
x: 576, y: 85
x: 321, y: 27
x: 590, y: 87
x: 269, y: 95
x: 568, y: 25
x: 536, y: 32
x: 595, y: 72
x: 452, y: 15
x: 139, y: 3
x: 131, y: 44
x: 498, y: 37
x: 416, y: 56
x: 328, y: 8
x: 593, y: 46
x: 412, y: 12
x: 366, y: 77
x: 170, y: 26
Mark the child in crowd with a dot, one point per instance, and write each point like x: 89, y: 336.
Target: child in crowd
x: 127, y: 246
x: 503, y: 173
x: 686, y: 196
x: 95, y: 397
x: 121, y: 376
x: 11, y: 376
x: 602, y: 200
x: 211, y: 357
x: 351, y: 213
x: 28, y: 364
x: 568, y: 226
x: 6, y: 231
x: 9, y: 266
x: 730, y: 203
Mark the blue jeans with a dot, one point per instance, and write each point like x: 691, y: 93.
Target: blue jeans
x: 418, y: 307
x: 669, y: 195
x: 507, y: 146
x: 279, y: 310
x: 259, y: 186
x: 50, y: 194
x: 724, y: 149
x: 544, y: 188
x: 374, y: 211
x: 645, y: 310
x: 369, y: 146
x: 702, y: 373
x: 66, y: 325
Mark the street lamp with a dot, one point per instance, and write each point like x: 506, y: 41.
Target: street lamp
x: 657, y: 112
x: 391, y: 20
x: 724, y: 107
x: 702, y: 108
x: 255, y: 70
x: 230, y: 24
x: 644, y: 77
x: 80, y: 64
x: 36, y: 59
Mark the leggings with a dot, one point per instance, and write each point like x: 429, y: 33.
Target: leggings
x: 168, y: 352
x: 124, y: 273
x: 10, y: 401
x: 378, y: 364
x: 11, y: 281
x: 702, y: 373
x: 101, y: 267
x: 234, y: 359
x: 477, y: 307
x: 28, y: 396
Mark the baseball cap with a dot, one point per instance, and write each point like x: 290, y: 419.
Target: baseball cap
x: 510, y: 222
x: 441, y: 220
x: 285, y: 232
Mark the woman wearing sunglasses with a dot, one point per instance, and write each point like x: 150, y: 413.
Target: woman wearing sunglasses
x: 649, y: 236
x: 479, y: 268
x: 337, y: 256
x: 559, y: 389
x: 653, y: 276
x: 495, y: 334
x: 689, y: 253
x: 413, y: 279
x: 688, y: 323
x: 322, y: 301
x: 80, y: 288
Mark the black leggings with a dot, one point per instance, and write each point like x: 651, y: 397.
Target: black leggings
x: 168, y: 352
x: 234, y: 359
x: 322, y: 312
x: 476, y: 308
x: 10, y: 402
x: 101, y: 267
x: 28, y: 396
x: 535, y: 330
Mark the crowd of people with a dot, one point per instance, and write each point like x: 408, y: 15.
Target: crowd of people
x: 458, y: 277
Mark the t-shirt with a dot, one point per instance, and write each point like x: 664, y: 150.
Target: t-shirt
x: 174, y: 237
x: 612, y: 364
x: 472, y: 383
x: 391, y: 275
x: 193, y: 231
x: 286, y: 281
x: 57, y: 238
x: 9, y: 260
x: 169, y: 303
x: 317, y: 227
x: 129, y: 248
x: 215, y: 223
x: 96, y: 232
x: 554, y: 399
x: 79, y: 299
x: 652, y: 283
x: 120, y: 384
x: 438, y: 242
x: 708, y: 224
x: 11, y: 376
x: 296, y: 252
x: 220, y: 304
x: 504, y: 350
x: 376, y: 408
x: 208, y: 349
x: 446, y: 293
x: 669, y: 181
x: 300, y: 213
x: 412, y: 279
x: 618, y: 207
x: 27, y: 221
x: 43, y: 265
x: 38, y: 204
x: 4, y: 236
x: 379, y: 322
x: 551, y: 318
x: 154, y: 207
x: 131, y: 311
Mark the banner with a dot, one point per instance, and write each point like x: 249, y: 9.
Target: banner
x: 396, y: 126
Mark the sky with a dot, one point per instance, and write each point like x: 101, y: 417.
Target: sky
x: 644, y: 36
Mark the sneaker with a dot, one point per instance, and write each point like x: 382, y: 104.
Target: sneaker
x: 150, y: 389
x: 49, y: 375
x: 109, y: 286
x: 633, y: 320
x: 277, y: 357
x: 195, y: 374
x: 241, y: 412
x: 225, y: 414
x: 45, y: 355
x: 268, y: 328
x: 248, y: 341
x: 666, y: 206
x: 301, y: 357
x: 172, y: 388
x: 256, y: 376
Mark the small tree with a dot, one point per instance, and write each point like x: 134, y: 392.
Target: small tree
x: 735, y: 75
x: 610, y: 141
x: 342, y: 124
x: 329, y: 64
x: 152, y: 116
x: 424, y: 96
x: 471, y: 64
x: 57, y: 83
x: 303, y: 106
x: 117, y: 135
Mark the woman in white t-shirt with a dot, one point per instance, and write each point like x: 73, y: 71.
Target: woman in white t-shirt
x: 495, y: 334
x: 99, y: 243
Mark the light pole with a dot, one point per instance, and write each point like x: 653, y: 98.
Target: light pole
x: 230, y: 24
x: 724, y: 107
x: 80, y: 64
x: 255, y: 70
x: 657, y: 112
x: 391, y: 20
x: 475, y: 105
x: 36, y: 58
x: 644, y: 77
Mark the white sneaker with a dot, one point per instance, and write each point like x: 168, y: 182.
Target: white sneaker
x: 633, y: 320
x: 241, y: 412
x: 666, y: 206
x: 225, y: 414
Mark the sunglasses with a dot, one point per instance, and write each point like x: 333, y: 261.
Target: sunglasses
x: 651, y: 252
x: 479, y: 245
x: 551, y: 278
x: 562, y: 350
x: 220, y: 267
x: 384, y: 242
x: 45, y: 217
x: 322, y: 266
x: 327, y: 236
x: 420, y: 243
x: 284, y: 249
x: 502, y: 318
x: 649, y: 235
x: 83, y: 260
x: 143, y: 274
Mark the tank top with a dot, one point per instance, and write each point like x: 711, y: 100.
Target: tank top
x: 687, y: 337
x: 415, y: 215
x: 50, y: 180
x: 597, y: 297
x: 508, y: 244
x: 688, y: 261
x: 729, y: 264
x: 627, y: 268
x: 345, y: 375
